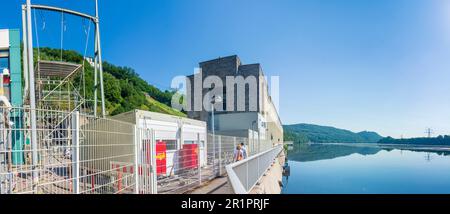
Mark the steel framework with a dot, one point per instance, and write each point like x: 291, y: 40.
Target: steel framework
x: 60, y: 72
x: 53, y: 84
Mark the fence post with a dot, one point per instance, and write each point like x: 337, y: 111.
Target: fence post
x: 246, y: 177
x: 154, y: 179
x: 234, y: 143
x: 259, y: 141
x: 199, y: 154
x: 136, y: 165
x: 220, y: 155
x: 258, y: 166
x: 76, y: 151
x: 213, y: 137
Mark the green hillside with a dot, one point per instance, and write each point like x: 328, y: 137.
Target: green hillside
x: 157, y: 106
x: 124, y: 89
x: 439, y: 140
x: 303, y: 133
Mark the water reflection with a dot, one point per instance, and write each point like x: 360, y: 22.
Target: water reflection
x: 367, y: 169
x: 314, y: 152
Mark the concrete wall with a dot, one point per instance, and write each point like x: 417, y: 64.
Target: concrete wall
x: 266, y: 114
x: 235, y: 121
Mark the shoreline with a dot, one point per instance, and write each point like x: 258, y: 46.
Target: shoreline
x: 437, y: 148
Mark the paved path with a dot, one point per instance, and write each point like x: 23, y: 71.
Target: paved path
x: 216, y: 186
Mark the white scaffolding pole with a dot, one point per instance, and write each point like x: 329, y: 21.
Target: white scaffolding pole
x: 100, y: 62
x: 34, y: 146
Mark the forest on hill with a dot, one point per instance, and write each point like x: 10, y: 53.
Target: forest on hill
x: 305, y: 133
x: 124, y: 89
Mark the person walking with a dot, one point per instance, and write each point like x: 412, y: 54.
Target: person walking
x: 238, y: 154
x: 244, y: 151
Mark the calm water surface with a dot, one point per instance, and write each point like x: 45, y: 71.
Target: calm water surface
x: 347, y: 169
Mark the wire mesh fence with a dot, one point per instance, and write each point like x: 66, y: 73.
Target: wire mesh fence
x: 72, y: 154
x: 46, y: 166
x: 194, y: 162
x: 106, y: 156
x: 221, y: 152
x: 75, y: 153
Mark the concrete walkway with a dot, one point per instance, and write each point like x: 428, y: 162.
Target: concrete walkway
x: 216, y: 186
x: 270, y: 183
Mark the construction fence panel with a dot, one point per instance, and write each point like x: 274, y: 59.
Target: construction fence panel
x: 71, y: 153
x: 178, y: 161
x: 44, y: 166
x: 81, y: 154
x: 256, y: 146
x: 106, y: 156
x: 221, y: 153
x: 145, y: 162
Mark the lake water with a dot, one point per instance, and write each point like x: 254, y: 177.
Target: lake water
x: 333, y: 169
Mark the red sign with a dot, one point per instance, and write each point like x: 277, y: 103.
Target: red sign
x: 161, y: 159
x: 6, y: 80
x: 189, y: 156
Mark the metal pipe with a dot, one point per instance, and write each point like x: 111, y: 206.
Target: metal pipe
x: 76, y: 151
x: 199, y: 157
x: 97, y: 24
x: 9, y: 142
x: 24, y: 53
x: 136, y: 141
x: 58, y: 9
x: 213, y: 136
x: 253, y: 136
x: 95, y: 75
x: 34, y: 142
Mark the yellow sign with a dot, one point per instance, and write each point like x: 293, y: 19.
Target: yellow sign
x: 161, y: 156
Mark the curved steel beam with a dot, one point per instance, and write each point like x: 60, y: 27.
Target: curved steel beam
x: 72, y: 12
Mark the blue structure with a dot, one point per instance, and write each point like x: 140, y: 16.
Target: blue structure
x: 10, y: 58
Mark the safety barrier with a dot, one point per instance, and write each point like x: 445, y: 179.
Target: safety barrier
x: 244, y: 175
x: 75, y: 153
x: 71, y: 153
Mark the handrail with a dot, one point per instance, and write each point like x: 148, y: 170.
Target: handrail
x: 243, y: 183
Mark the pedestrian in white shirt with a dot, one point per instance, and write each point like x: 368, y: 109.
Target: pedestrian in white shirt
x: 244, y: 150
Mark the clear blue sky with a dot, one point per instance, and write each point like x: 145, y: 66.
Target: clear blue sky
x: 361, y: 65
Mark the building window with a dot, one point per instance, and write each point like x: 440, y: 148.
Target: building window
x: 224, y: 99
x: 4, y: 63
x: 190, y: 142
x: 202, y: 144
x: 170, y: 144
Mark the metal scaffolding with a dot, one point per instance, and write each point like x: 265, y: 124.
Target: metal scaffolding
x: 53, y: 77
x: 50, y: 85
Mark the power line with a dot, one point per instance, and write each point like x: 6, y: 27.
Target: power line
x: 429, y: 132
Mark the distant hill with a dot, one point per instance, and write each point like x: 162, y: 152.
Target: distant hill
x: 125, y: 90
x: 371, y: 137
x: 303, y: 133
x: 440, y: 140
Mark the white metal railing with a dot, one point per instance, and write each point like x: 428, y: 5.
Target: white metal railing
x: 245, y: 174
